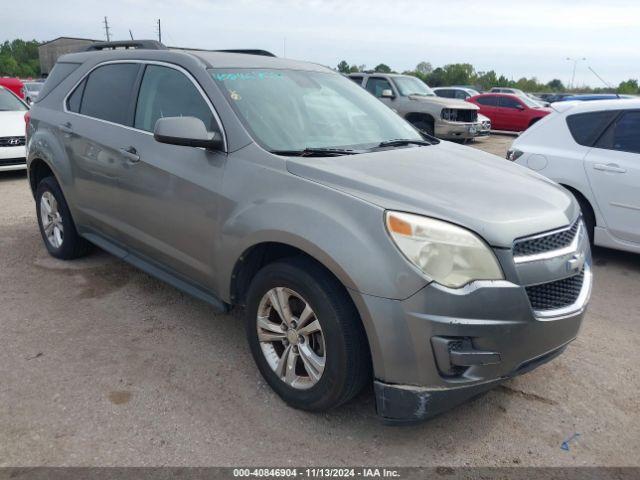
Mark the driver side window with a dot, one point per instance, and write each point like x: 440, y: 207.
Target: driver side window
x: 167, y: 92
x: 377, y: 85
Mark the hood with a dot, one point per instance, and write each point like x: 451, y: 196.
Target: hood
x: 491, y: 196
x: 12, y: 124
x: 444, y: 102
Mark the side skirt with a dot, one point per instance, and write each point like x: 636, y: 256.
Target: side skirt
x: 157, y: 271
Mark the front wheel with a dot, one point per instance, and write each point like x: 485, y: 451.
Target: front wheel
x: 306, y: 336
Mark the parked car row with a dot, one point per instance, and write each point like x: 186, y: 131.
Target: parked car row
x: 26, y: 90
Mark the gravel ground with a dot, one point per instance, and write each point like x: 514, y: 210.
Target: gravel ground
x: 102, y: 365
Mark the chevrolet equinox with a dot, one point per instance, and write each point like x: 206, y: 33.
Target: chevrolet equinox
x: 362, y: 249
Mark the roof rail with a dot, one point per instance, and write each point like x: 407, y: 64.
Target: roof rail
x: 127, y: 44
x: 264, y: 53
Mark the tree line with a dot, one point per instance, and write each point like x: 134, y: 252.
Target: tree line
x: 466, y: 74
x: 19, y: 58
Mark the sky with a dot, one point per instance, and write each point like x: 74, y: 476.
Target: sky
x: 514, y: 38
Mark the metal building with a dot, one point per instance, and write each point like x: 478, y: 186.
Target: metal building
x: 51, y: 50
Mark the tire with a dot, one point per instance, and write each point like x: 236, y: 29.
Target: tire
x: 426, y: 126
x: 587, y: 215
x: 340, y: 343
x: 62, y: 240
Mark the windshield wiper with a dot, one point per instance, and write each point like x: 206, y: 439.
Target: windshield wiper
x: 400, y: 142
x: 315, y: 152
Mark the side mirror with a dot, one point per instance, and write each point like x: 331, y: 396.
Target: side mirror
x: 387, y: 93
x: 520, y: 106
x: 186, y: 131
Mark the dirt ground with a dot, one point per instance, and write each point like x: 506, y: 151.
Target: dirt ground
x: 102, y: 365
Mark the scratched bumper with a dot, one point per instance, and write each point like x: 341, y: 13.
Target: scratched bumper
x: 406, y: 404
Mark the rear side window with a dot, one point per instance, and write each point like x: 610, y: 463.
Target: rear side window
x: 73, y: 102
x: 585, y: 128
x: 623, y: 135
x: 444, y: 93
x: 509, y: 102
x: 490, y: 100
x: 58, y: 74
x: 358, y: 80
x: 108, y: 91
x: 167, y: 92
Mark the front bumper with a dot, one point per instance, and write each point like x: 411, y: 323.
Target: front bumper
x: 442, y: 346
x: 456, y: 130
x: 12, y: 158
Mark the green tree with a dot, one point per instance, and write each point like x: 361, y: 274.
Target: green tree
x: 459, y: 74
x: 424, y: 68
x: 382, y: 68
x: 628, y: 87
x: 19, y: 58
x: 486, y: 80
x: 556, y: 85
x: 343, y: 67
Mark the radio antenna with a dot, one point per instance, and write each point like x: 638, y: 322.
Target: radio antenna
x: 603, y: 81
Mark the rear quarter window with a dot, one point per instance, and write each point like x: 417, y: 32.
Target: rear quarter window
x: 586, y: 128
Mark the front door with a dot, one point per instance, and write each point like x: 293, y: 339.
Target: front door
x: 169, y: 193
x: 613, y: 168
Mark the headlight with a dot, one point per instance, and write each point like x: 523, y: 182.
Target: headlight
x: 446, y: 253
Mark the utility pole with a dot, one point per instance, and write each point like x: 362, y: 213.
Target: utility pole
x: 284, y: 47
x: 131, y: 34
x: 159, y: 31
x: 575, y: 63
x: 106, y: 29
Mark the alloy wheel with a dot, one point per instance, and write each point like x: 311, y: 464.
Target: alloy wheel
x: 51, y: 220
x: 291, y: 338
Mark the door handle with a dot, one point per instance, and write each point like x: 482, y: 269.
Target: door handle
x: 66, y: 128
x: 609, y: 167
x: 131, y: 154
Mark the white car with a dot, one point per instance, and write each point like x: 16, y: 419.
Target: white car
x: 593, y: 149
x: 12, y: 141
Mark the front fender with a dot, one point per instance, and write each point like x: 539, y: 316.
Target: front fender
x: 345, y: 234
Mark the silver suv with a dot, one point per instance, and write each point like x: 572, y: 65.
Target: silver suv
x: 361, y: 250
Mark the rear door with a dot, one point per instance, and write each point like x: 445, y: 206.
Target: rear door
x: 171, y: 194
x: 96, y: 127
x: 613, y: 169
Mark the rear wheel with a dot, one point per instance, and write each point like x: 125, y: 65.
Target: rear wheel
x: 56, y: 225
x: 306, y: 336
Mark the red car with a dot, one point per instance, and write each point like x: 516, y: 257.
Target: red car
x: 15, y: 85
x: 509, y: 112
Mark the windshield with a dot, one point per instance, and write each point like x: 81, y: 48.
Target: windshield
x: 529, y: 102
x: 33, y: 87
x: 413, y: 86
x: 9, y: 102
x: 289, y: 110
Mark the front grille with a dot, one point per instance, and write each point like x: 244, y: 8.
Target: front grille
x: 555, y: 295
x: 546, y: 243
x: 460, y: 115
x: 12, y: 141
x: 6, y: 162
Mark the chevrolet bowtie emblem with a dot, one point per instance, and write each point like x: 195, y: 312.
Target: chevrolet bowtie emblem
x: 575, y: 263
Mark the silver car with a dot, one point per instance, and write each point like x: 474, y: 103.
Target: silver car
x: 361, y: 250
